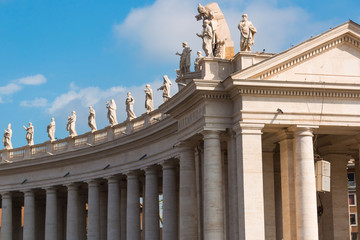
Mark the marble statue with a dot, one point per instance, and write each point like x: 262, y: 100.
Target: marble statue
x: 130, y: 107
x: 7, y: 137
x: 216, y: 31
x: 166, y: 88
x: 111, y: 115
x: 247, y: 32
x: 184, y: 60
x: 197, y: 61
x: 71, y: 124
x: 91, y: 119
x: 149, y: 105
x: 207, y: 37
x: 51, y: 130
x: 29, y: 134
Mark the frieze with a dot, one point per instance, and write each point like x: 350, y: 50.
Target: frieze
x: 192, y: 117
x: 310, y: 93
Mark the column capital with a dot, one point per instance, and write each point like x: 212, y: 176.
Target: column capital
x: 112, y: 179
x: 93, y: 182
x: 211, y: 134
x: 248, y: 128
x: 72, y: 186
x: 28, y: 192
x: 169, y: 164
x: 284, y: 134
x: 132, y: 174
x: 6, y: 195
x: 50, y: 189
x: 150, y: 170
x: 303, y: 130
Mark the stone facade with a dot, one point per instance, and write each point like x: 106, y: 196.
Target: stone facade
x: 231, y: 155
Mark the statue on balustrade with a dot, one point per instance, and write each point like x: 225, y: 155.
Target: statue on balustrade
x: 29, y: 134
x: 184, y: 66
x: 7, y: 137
x: 247, y: 32
x: 91, y: 119
x: 130, y: 107
x: 71, y: 124
x: 166, y: 88
x: 197, y: 61
x: 111, y: 115
x: 149, y: 105
x: 51, y: 130
x: 207, y: 37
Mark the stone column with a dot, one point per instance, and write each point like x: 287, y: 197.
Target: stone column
x: 152, y: 228
x: 29, y: 215
x: 133, y: 207
x: 113, y: 227
x: 51, y: 214
x: 72, y: 215
x: 232, y: 188
x: 123, y: 207
x: 17, y: 220
x: 188, y: 219
x: 305, y: 188
x: 287, y: 165
x: 103, y: 212
x: 6, y: 216
x: 250, y: 180
x: 213, y: 192
x: 339, y: 196
x: 269, y: 192
x: 169, y: 202
x: 93, y: 232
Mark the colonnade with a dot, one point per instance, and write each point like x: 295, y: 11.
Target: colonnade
x: 221, y: 187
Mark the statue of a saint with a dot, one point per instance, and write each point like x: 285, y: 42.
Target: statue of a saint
x: 184, y: 60
x: 71, y: 124
x: 197, y: 61
x: 149, y: 105
x: 51, y: 130
x: 166, y: 88
x: 91, y: 119
x: 207, y: 37
x: 7, y: 137
x: 29, y: 134
x: 130, y: 107
x: 111, y: 115
x: 247, y: 32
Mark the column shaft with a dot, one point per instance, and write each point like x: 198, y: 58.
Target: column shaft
x: 250, y: 181
x: 123, y: 209
x: 305, y: 188
x: 51, y: 214
x: 72, y: 215
x: 29, y: 215
x: 152, y: 228
x: 213, y: 201
x: 113, y: 227
x: 288, y: 187
x: 93, y: 232
x: 269, y: 194
x: 169, y: 202
x: 188, y: 220
x: 6, y: 216
x: 133, y: 207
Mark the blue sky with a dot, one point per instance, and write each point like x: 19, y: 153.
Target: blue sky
x: 59, y: 56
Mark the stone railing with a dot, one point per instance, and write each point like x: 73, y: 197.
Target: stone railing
x: 88, y: 139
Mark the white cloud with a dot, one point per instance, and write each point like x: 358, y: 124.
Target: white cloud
x: 10, y: 89
x: 33, y: 80
x: 159, y: 29
x: 37, y: 102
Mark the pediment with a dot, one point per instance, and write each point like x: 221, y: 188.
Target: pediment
x: 333, y: 56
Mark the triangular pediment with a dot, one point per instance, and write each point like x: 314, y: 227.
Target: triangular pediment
x: 333, y: 56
